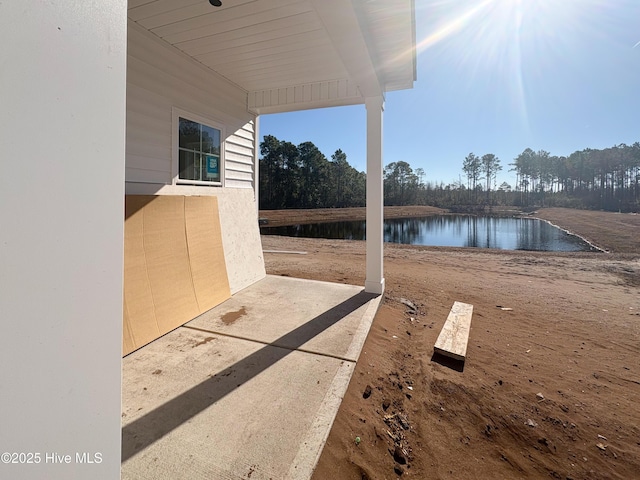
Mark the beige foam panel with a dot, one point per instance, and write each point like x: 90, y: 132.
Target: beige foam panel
x: 174, y: 267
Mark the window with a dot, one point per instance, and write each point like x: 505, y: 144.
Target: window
x: 199, y: 147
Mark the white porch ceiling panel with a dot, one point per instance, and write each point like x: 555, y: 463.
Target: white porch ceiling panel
x: 291, y: 54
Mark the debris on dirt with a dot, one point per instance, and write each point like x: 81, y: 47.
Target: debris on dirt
x: 539, y: 396
x: 358, y: 440
x: 398, y: 470
x: 601, y: 446
x: 412, y: 307
x: 531, y: 423
x: 399, y: 456
x: 367, y: 392
x: 602, y: 437
x: 397, y: 419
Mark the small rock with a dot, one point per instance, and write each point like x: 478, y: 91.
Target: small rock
x: 601, y: 446
x: 398, y: 456
x: 540, y: 396
x: 602, y: 437
x: 367, y: 392
x: 531, y: 423
x: 385, y: 405
x: 398, y: 470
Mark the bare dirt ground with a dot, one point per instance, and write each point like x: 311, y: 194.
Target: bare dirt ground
x: 615, y: 232
x: 278, y: 218
x: 549, y: 389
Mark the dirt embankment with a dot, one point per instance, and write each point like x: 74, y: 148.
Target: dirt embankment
x: 615, y: 232
x: 278, y: 218
x: 549, y: 388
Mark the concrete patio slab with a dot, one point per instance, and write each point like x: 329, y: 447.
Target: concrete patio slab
x: 273, y: 310
x: 248, y: 390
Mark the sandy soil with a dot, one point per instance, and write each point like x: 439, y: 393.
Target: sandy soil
x: 549, y: 389
x: 278, y: 218
x: 615, y: 232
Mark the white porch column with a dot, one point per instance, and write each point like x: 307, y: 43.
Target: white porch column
x: 256, y: 164
x: 374, y: 282
x: 62, y: 131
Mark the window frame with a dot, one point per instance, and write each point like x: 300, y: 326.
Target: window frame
x: 178, y: 113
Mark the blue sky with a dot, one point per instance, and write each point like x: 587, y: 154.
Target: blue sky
x: 497, y: 76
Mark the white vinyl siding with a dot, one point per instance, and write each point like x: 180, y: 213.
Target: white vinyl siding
x: 239, y: 160
x: 160, y: 79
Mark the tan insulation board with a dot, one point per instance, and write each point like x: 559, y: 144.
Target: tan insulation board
x: 174, y: 264
x: 206, y: 254
x: 167, y: 259
x: 139, y: 318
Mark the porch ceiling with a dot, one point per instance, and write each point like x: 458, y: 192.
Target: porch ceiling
x: 338, y: 49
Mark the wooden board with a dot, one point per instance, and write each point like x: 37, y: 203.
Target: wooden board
x: 453, y: 338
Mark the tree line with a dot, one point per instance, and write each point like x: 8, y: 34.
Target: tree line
x: 605, y: 179
x: 302, y: 177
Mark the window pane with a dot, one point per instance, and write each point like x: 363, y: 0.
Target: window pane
x: 189, y: 133
x: 210, y: 140
x: 198, y: 151
x: 188, y: 165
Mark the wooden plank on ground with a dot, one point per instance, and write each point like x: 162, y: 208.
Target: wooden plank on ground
x: 453, y: 338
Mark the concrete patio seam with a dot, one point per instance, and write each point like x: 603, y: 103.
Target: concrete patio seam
x: 271, y: 344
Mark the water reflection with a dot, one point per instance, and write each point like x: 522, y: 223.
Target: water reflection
x: 336, y: 230
x: 450, y: 231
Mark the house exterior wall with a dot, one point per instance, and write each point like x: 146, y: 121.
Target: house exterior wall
x: 161, y: 79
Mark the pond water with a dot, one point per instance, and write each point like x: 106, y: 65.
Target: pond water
x: 505, y: 233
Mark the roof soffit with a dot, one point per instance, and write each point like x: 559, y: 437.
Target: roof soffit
x: 264, y: 45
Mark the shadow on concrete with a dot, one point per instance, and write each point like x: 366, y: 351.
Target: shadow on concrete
x: 151, y: 427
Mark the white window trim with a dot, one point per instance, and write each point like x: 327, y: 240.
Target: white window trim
x: 175, y: 124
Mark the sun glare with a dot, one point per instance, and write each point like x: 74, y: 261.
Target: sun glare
x: 501, y: 47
